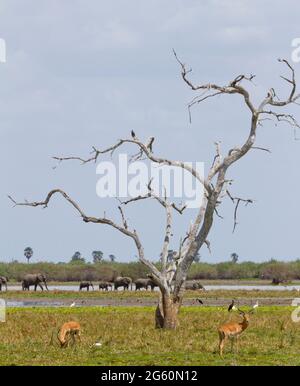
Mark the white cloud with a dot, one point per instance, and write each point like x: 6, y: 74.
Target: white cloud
x: 109, y: 35
x: 240, y: 34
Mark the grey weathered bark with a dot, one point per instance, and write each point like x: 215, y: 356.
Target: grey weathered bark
x: 215, y: 189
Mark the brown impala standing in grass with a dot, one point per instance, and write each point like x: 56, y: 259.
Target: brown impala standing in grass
x: 233, y: 330
x: 68, y: 331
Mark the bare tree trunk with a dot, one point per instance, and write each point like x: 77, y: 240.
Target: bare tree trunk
x: 166, y: 313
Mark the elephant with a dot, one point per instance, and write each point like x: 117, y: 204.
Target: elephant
x: 86, y: 284
x: 194, y: 286
x: 25, y: 286
x: 34, y: 279
x: 144, y: 283
x: 3, y: 281
x: 123, y: 282
x: 152, y: 284
x: 277, y: 281
x: 104, y: 285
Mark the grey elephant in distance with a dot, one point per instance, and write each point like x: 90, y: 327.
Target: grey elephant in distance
x: 34, y: 279
x: 105, y: 285
x: 86, y: 284
x: 144, y: 283
x: 25, y: 286
x: 3, y: 282
x: 121, y: 281
x: 195, y: 285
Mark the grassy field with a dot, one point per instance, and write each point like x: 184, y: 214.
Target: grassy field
x: 128, y: 337
x: 226, y: 294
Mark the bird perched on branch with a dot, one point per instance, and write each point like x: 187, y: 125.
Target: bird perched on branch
x: 150, y: 143
x: 133, y: 134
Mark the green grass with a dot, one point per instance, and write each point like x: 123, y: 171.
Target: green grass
x: 128, y: 337
x: 226, y: 294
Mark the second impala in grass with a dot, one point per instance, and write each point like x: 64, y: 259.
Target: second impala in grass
x: 233, y: 330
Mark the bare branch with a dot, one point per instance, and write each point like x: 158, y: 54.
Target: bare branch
x: 287, y: 118
x: 237, y: 201
x: 199, y: 100
x: 217, y: 213
x: 207, y: 243
x: 292, y: 98
x: 233, y: 87
x: 145, y: 149
x: 123, y: 218
x: 261, y: 148
x: 45, y: 203
x: 95, y: 220
x: 217, y: 161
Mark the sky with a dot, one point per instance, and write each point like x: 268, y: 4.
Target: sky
x: 85, y: 73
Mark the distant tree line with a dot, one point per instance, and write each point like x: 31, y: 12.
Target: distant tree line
x: 97, y: 256
x: 107, y: 270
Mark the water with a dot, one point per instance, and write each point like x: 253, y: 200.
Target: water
x: 66, y: 302
x: 253, y: 287
x: 209, y: 287
x: 19, y: 303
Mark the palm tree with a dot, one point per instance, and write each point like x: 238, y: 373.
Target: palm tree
x: 97, y: 256
x: 112, y: 258
x: 77, y: 258
x: 234, y: 257
x: 28, y: 252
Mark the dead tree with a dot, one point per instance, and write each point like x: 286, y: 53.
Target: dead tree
x: 215, y: 183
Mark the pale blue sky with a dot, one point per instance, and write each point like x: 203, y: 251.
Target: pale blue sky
x: 83, y: 73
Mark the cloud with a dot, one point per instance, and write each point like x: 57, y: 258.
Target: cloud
x: 109, y: 36
x: 238, y: 34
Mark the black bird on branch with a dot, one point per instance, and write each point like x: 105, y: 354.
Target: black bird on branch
x: 133, y: 134
x: 150, y: 143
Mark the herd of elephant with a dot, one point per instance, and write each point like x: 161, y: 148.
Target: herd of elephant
x: 38, y: 280
x: 124, y: 282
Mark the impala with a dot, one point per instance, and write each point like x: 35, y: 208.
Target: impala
x: 233, y: 330
x: 68, y: 331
